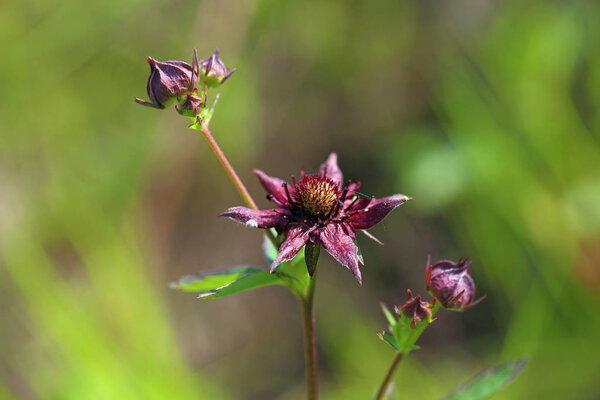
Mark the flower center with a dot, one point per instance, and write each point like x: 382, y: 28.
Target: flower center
x: 316, y: 195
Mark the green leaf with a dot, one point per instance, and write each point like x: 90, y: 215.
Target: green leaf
x: 213, y: 280
x: 295, y: 273
x: 488, y: 382
x: 269, y: 250
x: 227, y: 282
x: 401, y: 331
x: 248, y: 282
x: 388, y: 315
x: 389, y: 339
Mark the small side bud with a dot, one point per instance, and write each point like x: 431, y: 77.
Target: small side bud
x: 213, y: 71
x: 416, y: 310
x: 190, y: 106
x: 451, y: 284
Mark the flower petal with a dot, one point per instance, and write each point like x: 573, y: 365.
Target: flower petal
x: 342, y: 248
x: 358, y: 204
x: 295, y: 238
x: 351, y: 194
x: 181, y: 64
x: 275, y: 187
x: 257, y: 218
x: 376, y: 211
x: 331, y: 170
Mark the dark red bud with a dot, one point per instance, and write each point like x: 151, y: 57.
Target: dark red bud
x: 416, y: 309
x: 451, y: 283
x: 169, y: 79
x: 190, y: 106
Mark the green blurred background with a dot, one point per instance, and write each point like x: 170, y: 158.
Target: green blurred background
x: 484, y: 111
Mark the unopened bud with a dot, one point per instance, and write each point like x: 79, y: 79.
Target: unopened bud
x: 213, y: 71
x: 190, y: 106
x: 416, y: 310
x: 168, y: 80
x: 451, y: 283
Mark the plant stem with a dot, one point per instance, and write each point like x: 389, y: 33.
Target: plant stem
x: 388, y: 376
x: 233, y: 176
x: 310, y: 342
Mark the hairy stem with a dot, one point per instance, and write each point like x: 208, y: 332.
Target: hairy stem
x: 388, y: 376
x: 310, y: 342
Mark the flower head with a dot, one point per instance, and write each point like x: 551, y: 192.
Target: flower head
x: 168, y: 80
x: 318, y: 209
x: 416, y: 309
x: 451, y: 283
x: 213, y: 71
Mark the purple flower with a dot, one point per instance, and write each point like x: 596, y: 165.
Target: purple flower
x: 168, y: 80
x: 213, y: 71
x: 451, y: 283
x: 416, y: 309
x: 320, y: 210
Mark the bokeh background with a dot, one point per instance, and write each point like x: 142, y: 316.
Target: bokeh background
x: 484, y: 111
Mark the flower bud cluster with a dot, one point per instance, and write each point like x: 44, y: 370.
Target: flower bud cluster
x: 451, y: 286
x: 450, y: 283
x: 187, y: 85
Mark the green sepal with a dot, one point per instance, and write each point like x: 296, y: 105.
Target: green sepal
x: 311, y: 257
x: 388, y: 314
x: 204, y: 116
x: 487, y: 382
x: 196, y: 125
x: 269, y: 249
x: 209, y: 81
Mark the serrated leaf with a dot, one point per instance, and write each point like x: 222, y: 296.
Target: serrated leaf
x: 488, y: 382
x: 227, y: 282
x: 389, y: 339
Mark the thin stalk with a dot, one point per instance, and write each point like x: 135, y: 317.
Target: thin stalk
x: 310, y: 342
x: 388, y: 376
x: 233, y: 176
